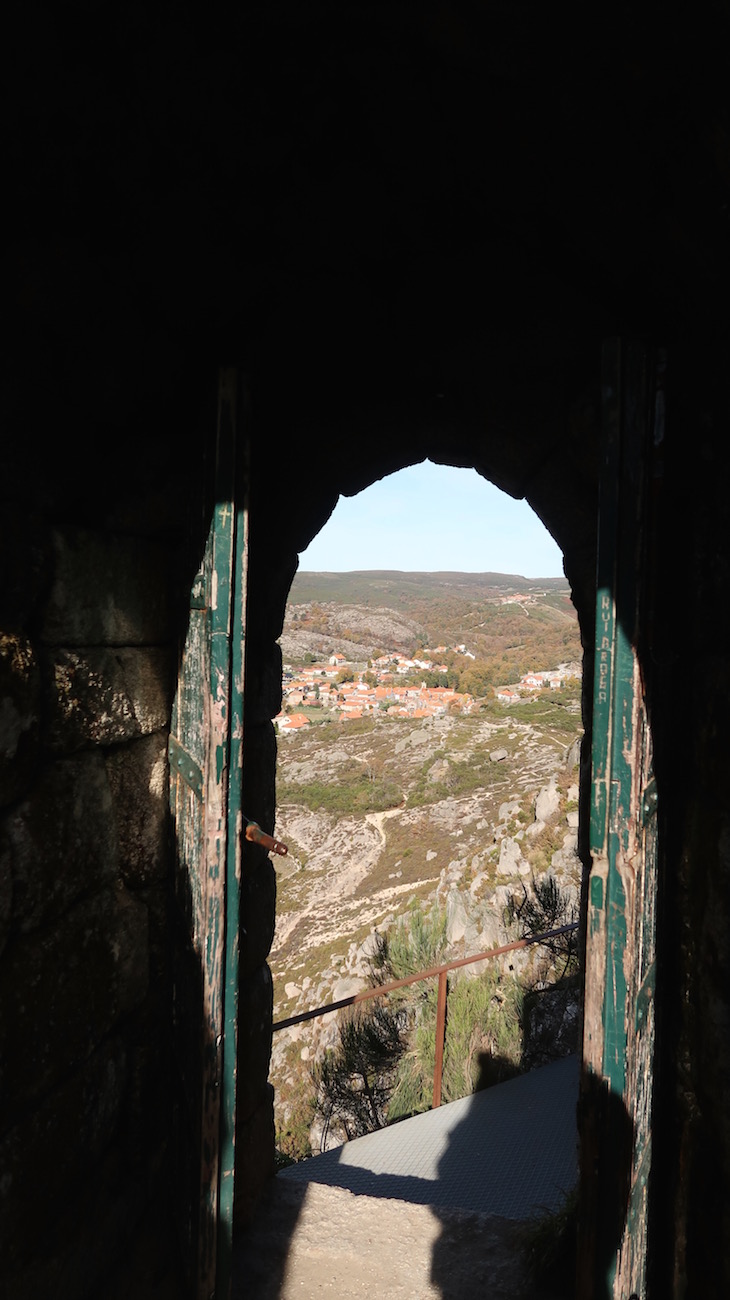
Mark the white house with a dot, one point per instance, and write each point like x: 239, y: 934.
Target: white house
x: 288, y: 723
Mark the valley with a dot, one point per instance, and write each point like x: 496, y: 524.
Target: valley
x: 459, y: 810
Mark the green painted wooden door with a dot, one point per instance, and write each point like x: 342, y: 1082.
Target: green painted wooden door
x: 619, y: 1028
x: 206, y: 757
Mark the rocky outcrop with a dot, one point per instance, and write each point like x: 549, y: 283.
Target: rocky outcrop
x: 357, y: 633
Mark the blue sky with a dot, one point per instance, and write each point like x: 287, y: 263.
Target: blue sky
x: 432, y: 517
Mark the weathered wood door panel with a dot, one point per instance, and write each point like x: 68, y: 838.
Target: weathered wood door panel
x: 206, y: 756
x: 619, y: 1030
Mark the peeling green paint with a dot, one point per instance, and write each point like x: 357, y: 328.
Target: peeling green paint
x: 597, y: 894
x: 205, y: 803
x: 621, y: 937
x: 182, y: 763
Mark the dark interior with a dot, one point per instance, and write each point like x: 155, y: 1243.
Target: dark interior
x: 412, y: 229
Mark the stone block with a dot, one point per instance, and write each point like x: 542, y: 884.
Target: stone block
x: 105, y: 696
x: 19, y: 715
x: 107, y: 590
x: 138, y: 779
x: 63, y: 990
x: 346, y: 987
x: 438, y: 773
x: 157, y: 899
x: 147, y: 1044
x: 61, y: 841
x: 507, y: 810
x: 551, y: 1024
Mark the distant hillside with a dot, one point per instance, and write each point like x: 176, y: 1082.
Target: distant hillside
x: 398, y: 590
x: 362, y: 614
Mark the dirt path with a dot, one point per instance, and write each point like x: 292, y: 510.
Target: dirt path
x: 309, y: 1240
x: 377, y: 819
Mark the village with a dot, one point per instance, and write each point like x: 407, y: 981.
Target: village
x: 390, y: 684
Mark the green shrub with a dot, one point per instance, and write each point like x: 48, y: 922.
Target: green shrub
x: 382, y: 1068
x: 483, y: 1033
x: 354, y: 794
x: 297, y: 1098
x: 416, y: 943
x: 483, y: 1042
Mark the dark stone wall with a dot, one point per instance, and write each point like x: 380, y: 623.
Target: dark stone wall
x: 412, y: 231
x: 88, y: 659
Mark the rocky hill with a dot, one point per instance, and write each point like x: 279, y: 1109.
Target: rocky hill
x: 356, y: 631
x: 512, y: 624
x: 464, y: 811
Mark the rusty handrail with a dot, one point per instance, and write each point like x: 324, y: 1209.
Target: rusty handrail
x: 432, y: 972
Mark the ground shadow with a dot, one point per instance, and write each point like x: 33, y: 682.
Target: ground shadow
x: 480, y: 1165
x: 607, y: 1151
x: 518, y: 1145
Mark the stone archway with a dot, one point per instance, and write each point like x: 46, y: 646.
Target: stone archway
x: 546, y: 478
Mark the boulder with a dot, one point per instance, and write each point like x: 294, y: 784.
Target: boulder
x: 457, y: 919
x: 346, y: 987
x: 507, y: 810
x: 511, y: 861
x: 547, y: 802
x: 438, y: 773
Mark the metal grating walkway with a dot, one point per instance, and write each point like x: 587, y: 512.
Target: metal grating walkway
x: 510, y: 1150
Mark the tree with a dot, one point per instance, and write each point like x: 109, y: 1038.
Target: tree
x: 354, y: 1079
x: 478, y: 679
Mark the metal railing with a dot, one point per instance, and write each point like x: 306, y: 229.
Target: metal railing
x: 433, y: 972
